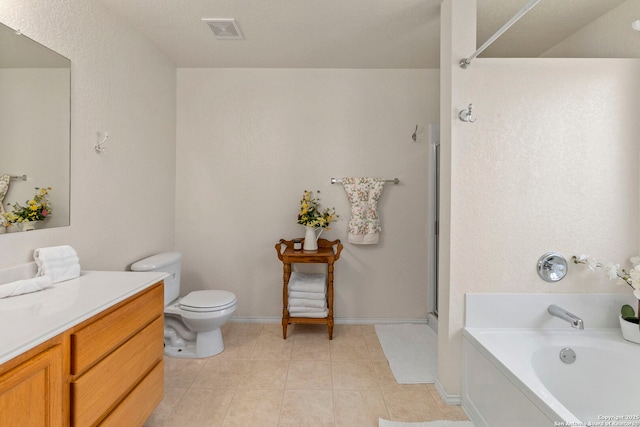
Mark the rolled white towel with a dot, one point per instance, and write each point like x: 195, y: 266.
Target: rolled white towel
x: 314, y: 314
x: 26, y: 286
x: 303, y: 302
x: 53, y: 253
x: 307, y: 282
x: 60, y: 263
x: 308, y: 295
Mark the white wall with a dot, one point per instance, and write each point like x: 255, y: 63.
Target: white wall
x: 122, y: 201
x: 250, y: 141
x: 550, y: 164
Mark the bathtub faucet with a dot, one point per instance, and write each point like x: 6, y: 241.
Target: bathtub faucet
x: 560, y: 312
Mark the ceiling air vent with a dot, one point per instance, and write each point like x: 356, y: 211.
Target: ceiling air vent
x: 225, y: 29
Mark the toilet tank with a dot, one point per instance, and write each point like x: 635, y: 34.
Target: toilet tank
x: 166, y: 262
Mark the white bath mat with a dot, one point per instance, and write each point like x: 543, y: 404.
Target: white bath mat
x: 387, y: 423
x: 412, y: 352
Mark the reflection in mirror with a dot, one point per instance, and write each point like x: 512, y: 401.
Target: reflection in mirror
x: 35, y: 117
x: 561, y: 29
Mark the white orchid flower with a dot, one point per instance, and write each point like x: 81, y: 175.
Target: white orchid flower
x: 611, y: 269
x: 586, y: 259
x: 634, y: 274
x: 635, y: 260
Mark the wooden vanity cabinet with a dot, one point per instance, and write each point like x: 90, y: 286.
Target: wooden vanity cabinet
x: 115, y: 358
x: 32, y: 387
x: 107, y: 370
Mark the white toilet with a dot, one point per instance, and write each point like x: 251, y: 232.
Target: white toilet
x: 192, y: 323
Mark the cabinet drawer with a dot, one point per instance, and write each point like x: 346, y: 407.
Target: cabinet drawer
x: 140, y: 403
x: 101, y: 387
x: 92, y: 342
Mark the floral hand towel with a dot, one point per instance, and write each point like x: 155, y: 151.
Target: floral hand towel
x: 4, y: 187
x: 363, y: 194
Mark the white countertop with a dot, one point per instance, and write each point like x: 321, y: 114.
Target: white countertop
x: 31, y: 319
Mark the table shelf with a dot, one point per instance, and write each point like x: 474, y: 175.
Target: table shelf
x: 328, y: 252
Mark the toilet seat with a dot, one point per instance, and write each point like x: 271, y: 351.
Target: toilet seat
x: 206, y: 301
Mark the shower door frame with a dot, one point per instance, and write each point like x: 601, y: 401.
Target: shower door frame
x: 434, y: 225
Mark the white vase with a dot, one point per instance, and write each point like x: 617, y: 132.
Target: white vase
x: 630, y: 331
x: 27, y: 226
x: 311, y: 239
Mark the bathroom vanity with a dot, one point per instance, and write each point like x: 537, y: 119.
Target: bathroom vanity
x: 87, y: 352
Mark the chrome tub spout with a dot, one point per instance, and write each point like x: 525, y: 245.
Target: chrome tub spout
x: 563, y: 314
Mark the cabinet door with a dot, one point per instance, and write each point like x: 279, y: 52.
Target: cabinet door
x: 31, y: 393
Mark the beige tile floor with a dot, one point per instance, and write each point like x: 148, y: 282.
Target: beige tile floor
x: 306, y: 380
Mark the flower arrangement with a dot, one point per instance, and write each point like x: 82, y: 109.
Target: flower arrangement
x: 630, y: 277
x: 310, y: 213
x: 36, y: 209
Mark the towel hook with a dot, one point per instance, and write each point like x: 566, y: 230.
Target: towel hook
x: 415, y: 134
x: 466, y: 115
x: 102, y: 138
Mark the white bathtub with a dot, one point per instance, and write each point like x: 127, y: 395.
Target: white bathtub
x: 515, y: 377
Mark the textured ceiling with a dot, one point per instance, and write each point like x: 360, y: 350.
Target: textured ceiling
x: 343, y: 33
x: 292, y: 33
x: 548, y: 23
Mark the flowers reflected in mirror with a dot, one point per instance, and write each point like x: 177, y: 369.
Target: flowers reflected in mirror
x: 37, y: 208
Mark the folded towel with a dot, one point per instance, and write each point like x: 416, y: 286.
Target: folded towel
x: 26, y: 286
x: 53, y: 253
x: 293, y: 309
x: 307, y: 295
x: 315, y: 314
x: 60, y: 263
x: 307, y: 282
x: 303, y: 302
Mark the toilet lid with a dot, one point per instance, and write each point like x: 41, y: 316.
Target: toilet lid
x: 207, y: 300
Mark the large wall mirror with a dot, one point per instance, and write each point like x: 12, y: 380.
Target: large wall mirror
x: 561, y: 29
x: 35, y: 121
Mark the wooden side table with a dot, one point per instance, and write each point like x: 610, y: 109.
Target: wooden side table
x: 324, y: 254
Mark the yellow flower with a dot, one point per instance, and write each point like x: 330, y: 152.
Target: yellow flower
x: 310, y: 213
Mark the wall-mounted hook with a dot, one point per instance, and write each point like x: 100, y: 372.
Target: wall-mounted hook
x: 101, y: 139
x: 415, y: 134
x: 466, y: 115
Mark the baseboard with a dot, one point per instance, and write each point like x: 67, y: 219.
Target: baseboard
x: 432, y: 320
x: 449, y: 399
x: 337, y: 321
x: 474, y: 415
x: 251, y: 319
